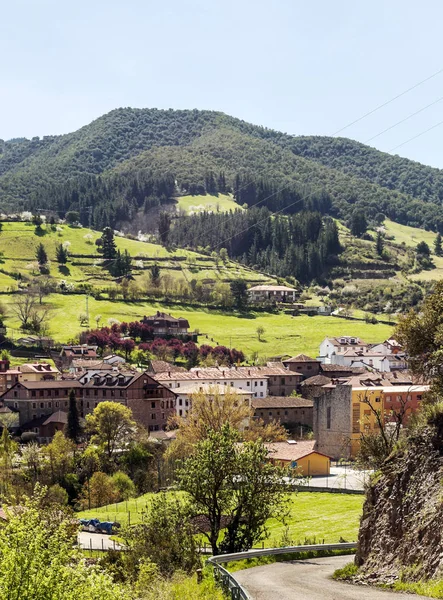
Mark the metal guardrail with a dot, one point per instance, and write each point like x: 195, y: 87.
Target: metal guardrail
x: 228, y: 582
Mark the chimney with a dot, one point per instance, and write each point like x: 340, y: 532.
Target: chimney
x: 249, y: 371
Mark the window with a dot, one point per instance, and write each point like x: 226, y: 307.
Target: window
x: 255, y: 384
x: 152, y: 404
x: 42, y: 392
x: 34, y: 405
x: 66, y: 404
x: 56, y: 392
x: 418, y: 396
x: 96, y: 394
x: 87, y: 392
x: 261, y: 394
x: 286, y: 412
x: 328, y: 418
x: 15, y: 394
x: 261, y: 383
x: 57, y: 404
x: 34, y: 417
x: 180, y: 402
x: 388, y: 398
x: 104, y: 394
x: 248, y: 383
x: 153, y: 416
x: 42, y: 405
x: 377, y: 399
x: 180, y: 412
x: 178, y: 384
x: 87, y: 404
x: 282, y: 381
x: 121, y: 393
x: 270, y: 413
x: 112, y: 393
x: 33, y: 393
x: 49, y: 404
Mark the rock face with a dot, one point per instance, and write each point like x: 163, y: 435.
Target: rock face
x: 401, y: 533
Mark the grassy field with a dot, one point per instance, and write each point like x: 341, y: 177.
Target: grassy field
x: 313, y: 515
x: 196, y: 204
x: 410, y: 236
x: 19, y: 241
x: 283, y: 334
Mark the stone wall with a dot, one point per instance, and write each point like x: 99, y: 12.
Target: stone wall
x: 332, y: 421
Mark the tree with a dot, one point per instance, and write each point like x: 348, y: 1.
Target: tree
x: 438, y: 246
x: 99, y: 490
x: 31, y: 317
x: 72, y: 217
x: 423, y: 249
x: 108, y: 246
x: 41, y: 256
x: 260, y: 331
x: 73, y: 429
x: 235, y: 487
x: 39, y: 560
x: 239, y: 290
x: 111, y: 426
x: 164, y: 227
x: 166, y: 536
x: 60, y: 453
x: 42, y: 286
x: 124, y: 486
x: 211, y: 412
x: 155, y: 275
x: 359, y: 224
x: 61, y: 254
x: 379, y: 243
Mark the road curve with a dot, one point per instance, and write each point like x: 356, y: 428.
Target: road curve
x: 308, y: 580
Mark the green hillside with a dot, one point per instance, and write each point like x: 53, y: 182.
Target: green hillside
x: 193, y: 150
x: 209, y: 203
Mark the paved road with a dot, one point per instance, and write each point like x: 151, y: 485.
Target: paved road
x: 308, y: 580
x: 96, y: 541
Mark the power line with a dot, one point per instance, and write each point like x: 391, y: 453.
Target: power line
x: 403, y: 120
x: 371, y: 112
x: 416, y: 136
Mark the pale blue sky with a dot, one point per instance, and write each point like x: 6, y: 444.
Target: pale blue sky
x: 297, y: 66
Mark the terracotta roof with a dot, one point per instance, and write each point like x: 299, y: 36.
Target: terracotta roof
x: 213, y: 374
x: 300, y: 358
x: 161, y: 366
x: 48, y: 385
x: 316, y: 380
x: 196, y: 387
x: 336, y: 341
x: 57, y: 417
x: 281, y: 402
x: 271, y: 288
x: 88, y: 364
x: 337, y: 368
x: 38, y: 368
x: 292, y: 451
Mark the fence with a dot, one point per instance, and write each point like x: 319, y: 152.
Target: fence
x: 231, y: 585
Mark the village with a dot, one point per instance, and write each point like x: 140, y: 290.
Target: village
x: 325, y: 403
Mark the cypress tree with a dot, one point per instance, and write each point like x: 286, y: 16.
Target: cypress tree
x: 379, y: 244
x: 438, y: 247
x: 108, y: 244
x: 61, y: 254
x: 42, y: 257
x: 73, y: 428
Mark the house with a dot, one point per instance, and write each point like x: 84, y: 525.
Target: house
x: 114, y: 360
x: 161, y: 366
x: 302, y: 457
x: 339, y: 345
x: 291, y: 411
x: 79, y: 366
x: 45, y: 428
x: 27, y: 372
x: 151, y: 403
x: 164, y: 325
x: 186, y: 392
x: 247, y: 379
x: 281, y: 381
x: 271, y: 293
x: 303, y: 364
x: 69, y: 353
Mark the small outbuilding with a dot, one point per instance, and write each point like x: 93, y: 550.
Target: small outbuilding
x: 300, y: 456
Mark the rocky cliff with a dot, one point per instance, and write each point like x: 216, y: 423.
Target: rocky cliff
x: 401, y: 533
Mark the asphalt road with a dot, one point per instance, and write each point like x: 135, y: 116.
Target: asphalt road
x: 96, y: 541
x: 308, y: 580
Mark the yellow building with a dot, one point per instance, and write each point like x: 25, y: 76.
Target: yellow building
x: 300, y: 456
x: 364, y: 420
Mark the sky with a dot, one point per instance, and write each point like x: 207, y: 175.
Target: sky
x: 305, y: 68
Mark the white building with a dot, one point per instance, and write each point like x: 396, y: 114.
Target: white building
x: 186, y: 391
x: 271, y: 293
x: 339, y: 345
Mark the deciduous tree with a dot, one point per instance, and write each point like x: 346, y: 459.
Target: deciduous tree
x: 111, y: 426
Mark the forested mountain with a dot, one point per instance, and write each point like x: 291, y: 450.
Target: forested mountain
x: 134, y: 158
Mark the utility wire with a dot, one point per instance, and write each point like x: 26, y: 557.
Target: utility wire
x: 371, y: 112
x: 403, y: 120
x: 416, y: 136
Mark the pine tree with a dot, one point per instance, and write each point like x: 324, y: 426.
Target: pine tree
x: 438, y: 247
x: 108, y: 244
x: 358, y: 224
x: 379, y: 244
x: 61, y: 254
x: 73, y: 428
x: 42, y: 257
x: 164, y: 227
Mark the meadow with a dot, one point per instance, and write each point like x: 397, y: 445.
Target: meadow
x: 312, y: 515
x: 283, y: 333
x: 196, y: 204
